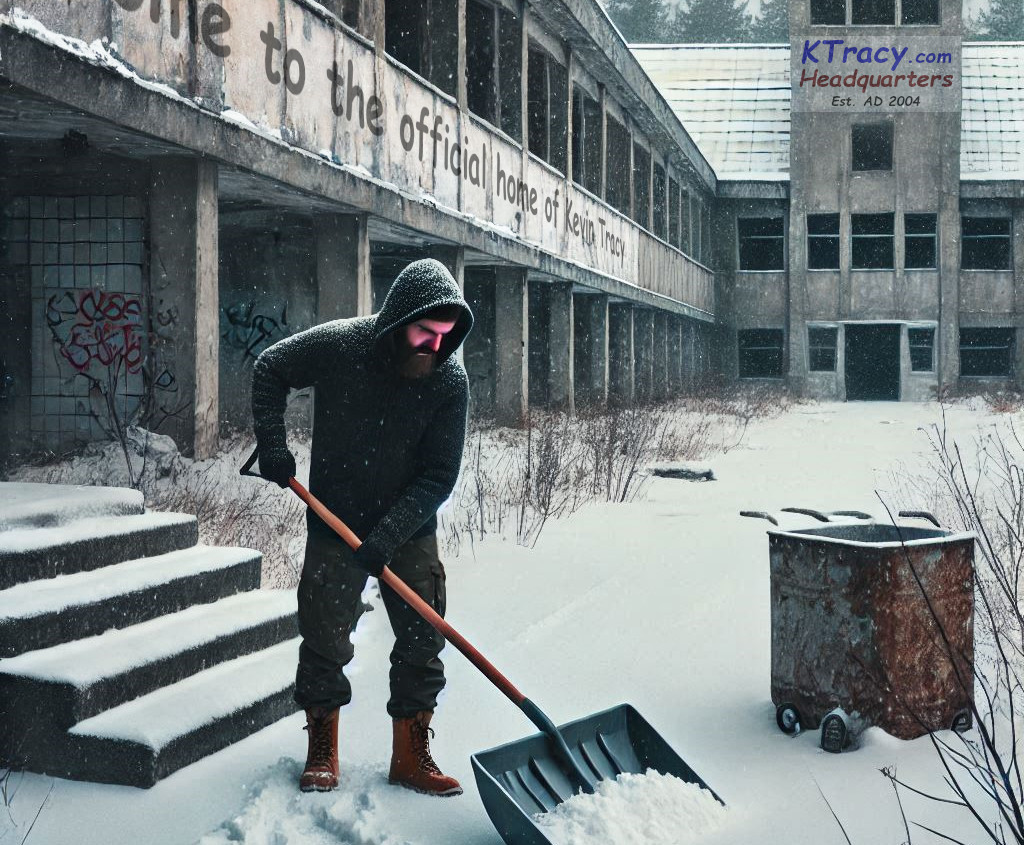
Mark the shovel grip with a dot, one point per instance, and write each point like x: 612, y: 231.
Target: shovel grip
x: 413, y: 600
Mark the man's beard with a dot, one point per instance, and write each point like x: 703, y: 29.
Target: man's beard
x: 416, y: 363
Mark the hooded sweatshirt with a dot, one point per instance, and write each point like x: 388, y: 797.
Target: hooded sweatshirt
x: 386, y: 449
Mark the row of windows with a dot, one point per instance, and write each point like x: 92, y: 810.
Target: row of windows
x: 985, y: 242
x: 984, y: 352
x: 874, y: 12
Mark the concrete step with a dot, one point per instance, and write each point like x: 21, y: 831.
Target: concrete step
x: 144, y: 740
x: 32, y: 505
x: 40, y: 614
x: 77, y: 680
x: 29, y: 554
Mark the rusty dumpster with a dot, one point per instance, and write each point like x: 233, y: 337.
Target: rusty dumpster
x: 856, y: 611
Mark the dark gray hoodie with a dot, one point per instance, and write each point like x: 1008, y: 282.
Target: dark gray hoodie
x: 386, y: 449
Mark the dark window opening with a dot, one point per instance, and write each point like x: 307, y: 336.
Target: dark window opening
x: 872, y: 247
x: 586, y: 141
x: 510, y: 74
x: 986, y: 352
x: 617, y: 174
x: 760, y: 353
x: 828, y: 12
x: 761, y: 243
x: 920, y: 12
x: 673, y: 212
x: 821, y: 347
x: 922, y: 350
x: 548, y: 118
x: 822, y: 241
x: 481, y: 61
x: 641, y: 185
x: 403, y: 33
x: 985, y: 243
x: 660, y: 197
x: 424, y: 37
x: 685, y: 235
x: 874, y: 12
x: 872, y: 146
x: 919, y: 241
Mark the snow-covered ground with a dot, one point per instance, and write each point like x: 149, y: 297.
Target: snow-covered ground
x: 661, y: 603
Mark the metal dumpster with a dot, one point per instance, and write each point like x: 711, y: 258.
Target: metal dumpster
x: 851, y: 626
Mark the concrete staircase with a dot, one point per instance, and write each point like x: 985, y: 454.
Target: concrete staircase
x: 127, y: 651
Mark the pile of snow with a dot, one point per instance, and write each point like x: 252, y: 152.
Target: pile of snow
x: 633, y: 809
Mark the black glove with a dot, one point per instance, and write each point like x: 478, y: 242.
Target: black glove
x: 277, y: 465
x: 370, y: 560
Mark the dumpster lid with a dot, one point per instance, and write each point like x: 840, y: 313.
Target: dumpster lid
x: 876, y: 536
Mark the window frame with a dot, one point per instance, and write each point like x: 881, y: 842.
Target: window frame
x: 853, y: 12
x: 930, y: 346
x: 859, y: 239
x: 831, y: 4
x: 1006, y: 239
x: 587, y: 152
x: 777, y: 240
x: 823, y: 236
x: 741, y: 349
x: 932, y: 236
x: 1010, y: 347
x: 855, y: 148
x: 813, y: 347
x: 554, y: 145
x: 936, y: 22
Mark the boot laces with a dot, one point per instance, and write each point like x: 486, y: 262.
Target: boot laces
x: 322, y: 749
x: 421, y: 745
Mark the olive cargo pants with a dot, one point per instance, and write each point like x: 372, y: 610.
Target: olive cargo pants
x: 330, y: 605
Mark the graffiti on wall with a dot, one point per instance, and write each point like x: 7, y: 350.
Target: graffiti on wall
x: 250, y: 331
x: 97, y: 328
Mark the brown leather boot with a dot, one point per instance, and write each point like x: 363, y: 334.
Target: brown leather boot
x: 411, y: 763
x: 321, y: 772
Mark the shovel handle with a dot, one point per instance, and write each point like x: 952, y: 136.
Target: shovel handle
x: 413, y: 600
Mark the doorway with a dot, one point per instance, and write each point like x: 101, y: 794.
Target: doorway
x: 873, y: 363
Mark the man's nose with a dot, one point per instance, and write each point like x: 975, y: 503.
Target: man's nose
x: 435, y: 342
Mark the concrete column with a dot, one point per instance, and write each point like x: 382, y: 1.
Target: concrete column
x: 675, y: 356
x: 620, y: 354
x: 689, y: 356
x: 371, y: 22
x: 660, y: 380
x: 590, y: 315
x: 511, y: 389
x: 560, y: 346
x: 343, y: 280
x: 183, y: 229
x: 643, y: 348
x: 452, y: 257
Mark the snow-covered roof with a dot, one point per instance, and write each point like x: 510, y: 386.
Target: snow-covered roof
x: 734, y: 101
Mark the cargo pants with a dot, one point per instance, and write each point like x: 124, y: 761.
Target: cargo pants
x: 330, y: 605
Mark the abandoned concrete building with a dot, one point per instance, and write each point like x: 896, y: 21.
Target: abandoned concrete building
x: 184, y: 184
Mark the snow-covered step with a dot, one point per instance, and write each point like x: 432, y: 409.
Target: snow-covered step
x: 39, y: 614
x: 144, y: 740
x: 73, y: 681
x: 32, y: 505
x: 28, y: 554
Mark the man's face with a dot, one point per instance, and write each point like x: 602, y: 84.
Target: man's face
x: 421, y: 340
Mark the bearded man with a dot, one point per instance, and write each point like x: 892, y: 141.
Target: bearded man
x: 389, y: 422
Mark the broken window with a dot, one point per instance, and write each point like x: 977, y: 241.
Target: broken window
x: 919, y: 241
x: 919, y: 12
x: 586, y: 141
x: 660, y: 197
x: 760, y: 353
x: 617, y: 174
x: 922, y: 350
x: 985, y: 243
x: 493, y: 59
x: 828, y: 12
x: 760, y: 243
x: 822, y: 241
x: 821, y: 348
x: 424, y: 36
x: 872, y: 146
x: 673, y: 213
x: 874, y: 12
x: 641, y: 185
x: 547, y: 88
x: 872, y: 247
x: 986, y: 352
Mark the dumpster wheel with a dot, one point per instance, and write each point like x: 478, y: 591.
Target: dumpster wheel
x: 787, y: 717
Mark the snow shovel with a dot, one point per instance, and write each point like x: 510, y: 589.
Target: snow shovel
x: 522, y: 779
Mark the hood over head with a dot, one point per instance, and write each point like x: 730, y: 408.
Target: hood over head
x: 421, y: 287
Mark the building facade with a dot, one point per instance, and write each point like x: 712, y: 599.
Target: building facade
x: 869, y: 224
x: 184, y: 184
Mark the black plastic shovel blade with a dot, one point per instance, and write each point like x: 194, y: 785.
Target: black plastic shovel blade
x: 521, y: 779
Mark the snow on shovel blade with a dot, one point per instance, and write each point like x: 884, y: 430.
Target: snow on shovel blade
x: 520, y: 779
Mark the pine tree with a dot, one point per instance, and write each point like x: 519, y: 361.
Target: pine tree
x: 1003, y: 20
x: 640, y: 21
x: 772, y: 24
x: 711, y: 21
